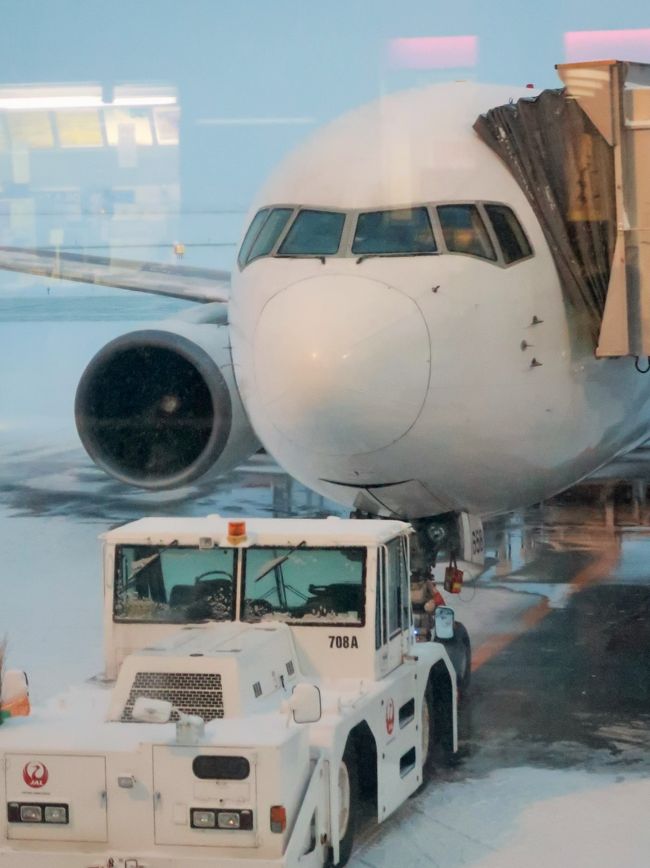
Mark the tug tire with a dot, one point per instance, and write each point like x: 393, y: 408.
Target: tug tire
x: 347, y: 841
x: 428, y: 717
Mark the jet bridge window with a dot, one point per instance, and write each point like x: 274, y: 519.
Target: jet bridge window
x: 170, y: 584
x: 404, y: 231
x: 464, y: 231
x: 304, y: 585
x: 314, y: 233
x: 509, y: 233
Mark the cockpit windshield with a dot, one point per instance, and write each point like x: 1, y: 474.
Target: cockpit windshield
x: 250, y: 237
x: 264, y: 231
x: 270, y: 232
x: 489, y: 231
x: 172, y: 584
x: 464, y: 231
x: 404, y: 231
x: 314, y: 233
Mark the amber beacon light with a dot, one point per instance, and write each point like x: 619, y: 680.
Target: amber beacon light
x: 236, y: 532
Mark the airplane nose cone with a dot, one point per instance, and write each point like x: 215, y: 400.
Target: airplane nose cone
x: 342, y: 363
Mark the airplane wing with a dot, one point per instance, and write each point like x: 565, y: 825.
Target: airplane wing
x: 178, y: 281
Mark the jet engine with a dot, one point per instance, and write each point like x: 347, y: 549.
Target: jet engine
x: 159, y: 407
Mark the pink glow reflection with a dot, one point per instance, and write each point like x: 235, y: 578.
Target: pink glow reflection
x: 433, y: 52
x: 607, y: 45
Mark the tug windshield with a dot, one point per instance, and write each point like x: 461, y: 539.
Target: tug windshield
x: 172, y: 584
x: 304, y: 585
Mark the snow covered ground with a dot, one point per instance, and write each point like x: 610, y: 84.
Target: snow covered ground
x: 51, y: 593
x: 518, y: 818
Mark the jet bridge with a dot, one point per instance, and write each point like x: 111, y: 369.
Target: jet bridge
x: 582, y: 157
x: 616, y: 98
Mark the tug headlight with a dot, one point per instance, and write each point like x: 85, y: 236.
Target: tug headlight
x: 31, y: 812
x: 56, y: 814
x: 204, y: 819
x: 228, y: 820
x: 201, y: 818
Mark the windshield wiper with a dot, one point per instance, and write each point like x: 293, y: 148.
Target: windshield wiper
x: 271, y: 565
x: 146, y: 561
x: 407, y: 253
x: 301, y: 256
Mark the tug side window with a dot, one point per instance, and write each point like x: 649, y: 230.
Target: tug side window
x: 398, y: 588
x: 465, y: 232
x: 380, y: 610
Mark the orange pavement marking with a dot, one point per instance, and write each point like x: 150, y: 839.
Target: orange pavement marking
x: 594, y: 572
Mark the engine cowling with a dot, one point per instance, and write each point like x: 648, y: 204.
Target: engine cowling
x: 159, y: 407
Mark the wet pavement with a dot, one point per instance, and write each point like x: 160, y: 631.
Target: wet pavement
x: 572, y: 688
x: 47, y: 481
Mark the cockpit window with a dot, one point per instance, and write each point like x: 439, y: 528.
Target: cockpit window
x: 464, y: 231
x: 251, y: 235
x: 511, y: 237
x: 264, y: 231
x: 269, y: 233
x: 490, y: 231
x: 314, y: 233
x: 403, y: 231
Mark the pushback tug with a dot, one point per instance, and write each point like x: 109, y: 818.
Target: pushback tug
x: 262, y: 678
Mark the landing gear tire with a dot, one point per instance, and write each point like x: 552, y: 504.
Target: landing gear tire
x: 348, y: 786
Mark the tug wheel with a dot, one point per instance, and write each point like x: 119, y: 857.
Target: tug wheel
x: 348, y: 789
x: 427, y: 740
x: 436, y: 730
x: 427, y: 734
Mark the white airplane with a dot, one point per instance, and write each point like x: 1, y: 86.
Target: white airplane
x: 395, y: 333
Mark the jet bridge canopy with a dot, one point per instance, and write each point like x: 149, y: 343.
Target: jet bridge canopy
x: 581, y: 156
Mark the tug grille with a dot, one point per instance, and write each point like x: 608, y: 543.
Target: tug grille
x: 190, y: 692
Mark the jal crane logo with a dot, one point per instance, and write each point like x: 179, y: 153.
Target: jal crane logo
x: 35, y: 775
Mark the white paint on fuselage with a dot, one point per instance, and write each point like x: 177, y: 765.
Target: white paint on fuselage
x: 359, y: 372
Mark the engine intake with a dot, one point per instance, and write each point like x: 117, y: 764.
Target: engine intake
x: 155, y: 409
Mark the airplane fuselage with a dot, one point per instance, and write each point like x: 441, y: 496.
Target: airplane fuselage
x: 424, y: 383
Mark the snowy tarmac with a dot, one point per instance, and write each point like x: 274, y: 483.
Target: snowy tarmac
x: 556, y: 727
